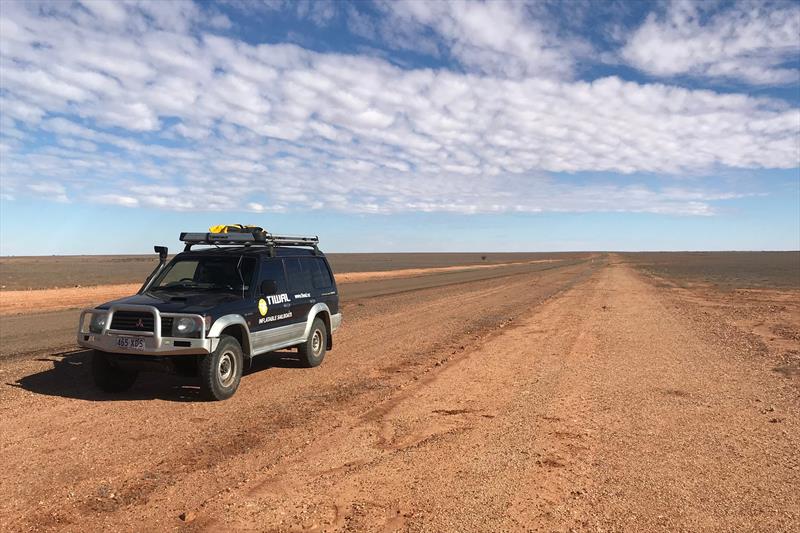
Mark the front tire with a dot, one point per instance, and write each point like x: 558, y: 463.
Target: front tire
x: 312, y: 352
x: 108, y: 376
x: 221, y: 370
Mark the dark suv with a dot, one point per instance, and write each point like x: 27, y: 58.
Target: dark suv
x: 208, y: 312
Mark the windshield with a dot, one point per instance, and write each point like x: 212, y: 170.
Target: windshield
x: 207, y: 273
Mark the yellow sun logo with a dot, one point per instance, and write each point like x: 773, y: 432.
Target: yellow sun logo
x: 262, y: 307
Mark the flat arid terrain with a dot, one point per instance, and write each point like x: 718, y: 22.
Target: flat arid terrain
x: 45, y: 272
x: 521, y: 392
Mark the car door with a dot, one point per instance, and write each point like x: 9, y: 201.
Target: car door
x: 271, y: 314
x: 300, y: 288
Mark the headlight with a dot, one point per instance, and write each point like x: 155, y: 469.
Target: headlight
x: 185, y: 327
x: 98, y: 322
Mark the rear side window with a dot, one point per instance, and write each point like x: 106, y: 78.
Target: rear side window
x: 320, y: 275
x: 299, y: 278
x: 273, y: 269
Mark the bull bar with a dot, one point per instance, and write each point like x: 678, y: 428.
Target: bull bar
x: 154, y: 342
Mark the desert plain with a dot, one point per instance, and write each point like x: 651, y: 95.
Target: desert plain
x: 465, y: 392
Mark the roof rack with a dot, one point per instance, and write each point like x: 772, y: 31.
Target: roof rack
x: 255, y: 238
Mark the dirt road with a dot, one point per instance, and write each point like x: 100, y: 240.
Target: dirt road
x: 31, y: 302
x: 583, y: 397
x: 47, y: 319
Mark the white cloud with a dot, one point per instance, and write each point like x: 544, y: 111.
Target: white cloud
x: 498, y: 37
x: 115, y: 199
x: 50, y: 190
x: 160, y: 116
x: 108, y: 11
x: 750, y: 42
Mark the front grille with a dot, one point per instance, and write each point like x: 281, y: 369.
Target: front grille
x: 132, y: 321
x: 166, y: 326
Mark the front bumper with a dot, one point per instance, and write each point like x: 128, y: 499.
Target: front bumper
x: 154, y: 342
x: 107, y: 342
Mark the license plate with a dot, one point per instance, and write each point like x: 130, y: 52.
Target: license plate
x: 131, y: 343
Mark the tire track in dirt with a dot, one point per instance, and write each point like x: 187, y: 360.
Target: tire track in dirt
x: 448, y: 422
x: 605, y: 409
x: 581, y: 398
x: 161, y: 456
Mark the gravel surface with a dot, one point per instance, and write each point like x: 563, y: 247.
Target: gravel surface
x: 583, y: 397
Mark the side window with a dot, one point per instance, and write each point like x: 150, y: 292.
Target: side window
x: 248, y: 270
x: 321, y: 276
x: 273, y: 269
x: 299, y: 278
x: 316, y: 271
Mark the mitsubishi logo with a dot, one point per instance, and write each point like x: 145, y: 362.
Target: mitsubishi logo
x: 140, y: 324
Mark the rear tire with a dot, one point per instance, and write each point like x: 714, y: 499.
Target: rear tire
x: 108, y: 376
x: 312, y: 352
x: 221, y: 370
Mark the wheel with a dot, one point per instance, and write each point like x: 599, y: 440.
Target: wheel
x: 108, y: 376
x: 221, y: 370
x: 312, y: 352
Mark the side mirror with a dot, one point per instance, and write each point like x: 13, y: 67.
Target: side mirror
x: 268, y: 286
x: 162, y: 252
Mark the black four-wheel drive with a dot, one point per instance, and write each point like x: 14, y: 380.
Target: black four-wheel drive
x: 209, y: 311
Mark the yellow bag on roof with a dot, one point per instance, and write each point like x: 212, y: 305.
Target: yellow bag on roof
x: 234, y: 228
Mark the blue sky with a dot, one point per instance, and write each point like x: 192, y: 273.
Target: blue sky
x: 401, y: 126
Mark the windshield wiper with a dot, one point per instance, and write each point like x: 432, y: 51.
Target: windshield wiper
x: 177, y: 285
x: 218, y: 288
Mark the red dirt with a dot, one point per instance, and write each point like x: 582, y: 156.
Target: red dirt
x: 579, y: 398
x: 44, y: 300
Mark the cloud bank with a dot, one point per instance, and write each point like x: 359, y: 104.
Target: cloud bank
x: 162, y: 105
